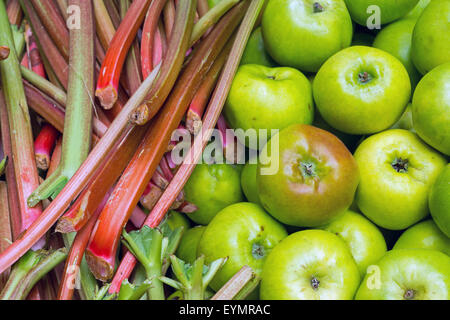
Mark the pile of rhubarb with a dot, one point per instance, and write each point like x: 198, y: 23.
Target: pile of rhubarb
x: 91, y: 94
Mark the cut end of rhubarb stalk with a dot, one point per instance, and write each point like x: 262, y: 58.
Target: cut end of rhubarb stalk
x: 42, y: 161
x: 4, y: 53
x: 107, y: 96
x: 149, y: 200
x: 100, y: 268
x: 140, y: 115
x: 65, y: 226
x: 193, y: 122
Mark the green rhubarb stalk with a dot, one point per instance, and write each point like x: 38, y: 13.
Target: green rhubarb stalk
x: 193, y: 279
x: 3, y: 165
x: 78, y: 118
x: 44, y: 85
x: 239, y: 286
x: 29, y: 270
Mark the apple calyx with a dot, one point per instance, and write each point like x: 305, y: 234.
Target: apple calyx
x: 258, y: 251
x: 315, y: 283
x: 400, y: 165
x: 308, y: 170
x: 317, y: 7
x: 364, y: 77
x: 409, y: 294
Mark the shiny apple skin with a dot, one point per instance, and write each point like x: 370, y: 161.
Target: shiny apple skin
x: 391, y: 199
x: 431, y: 108
x: 352, y: 106
x: 389, y: 10
x: 396, y: 40
x: 304, y: 256
x: 187, y: 249
x: 365, y: 240
x: 422, y: 272
x: 234, y: 232
x: 298, y: 199
x: 439, y: 201
x: 298, y: 37
x: 255, y: 52
x: 424, y: 235
x: 431, y: 37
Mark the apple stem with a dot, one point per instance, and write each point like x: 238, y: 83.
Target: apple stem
x: 409, y: 294
x: 315, y: 283
x: 400, y: 165
x: 364, y: 77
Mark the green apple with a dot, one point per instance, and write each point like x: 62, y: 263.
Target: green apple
x: 310, y: 265
x: 431, y: 37
x: 268, y: 98
x: 439, y: 201
x: 304, y: 33
x: 408, y: 274
x: 187, y: 249
x: 365, y: 241
x: 431, y: 108
x: 255, y: 53
x: 316, y: 178
x: 397, y: 171
x: 424, y: 235
x: 418, y: 9
x: 389, y: 10
x: 362, y: 90
x: 405, y: 121
x: 176, y: 219
x: 396, y: 40
x: 211, y: 188
x: 245, y: 234
x: 248, y: 182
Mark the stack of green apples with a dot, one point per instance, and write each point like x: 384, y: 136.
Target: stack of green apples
x: 359, y: 206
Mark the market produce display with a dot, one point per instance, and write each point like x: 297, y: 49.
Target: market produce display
x: 224, y: 150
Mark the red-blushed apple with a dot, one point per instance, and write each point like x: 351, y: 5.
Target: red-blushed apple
x: 365, y: 240
x: 439, y: 201
x: 397, y: 171
x: 245, y: 234
x: 310, y: 265
x: 431, y: 37
x: 424, y: 235
x: 361, y: 90
x: 431, y: 108
x: 408, y: 274
x: 388, y: 10
x: 316, y: 178
x: 304, y: 33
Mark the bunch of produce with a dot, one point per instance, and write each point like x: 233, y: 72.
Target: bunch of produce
x: 224, y: 149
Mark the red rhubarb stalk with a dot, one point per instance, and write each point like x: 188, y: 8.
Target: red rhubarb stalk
x: 201, y: 99
x: 56, y: 157
x: 212, y: 115
x: 169, y: 17
x: 148, y: 35
x: 108, y: 81
x: 103, y: 245
x: 202, y: 7
x: 113, y: 12
x: 54, y: 24
x: 33, y: 56
x: 43, y: 146
x: 5, y: 227
x: 105, y: 240
x: 46, y: 45
x: 19, y: 124
x: 14, y: 12
x: 104, y: 25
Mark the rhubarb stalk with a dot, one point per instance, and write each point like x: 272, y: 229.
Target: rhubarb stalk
x: 32, y: 55
x: 43, y: 146
x: 46, y: 45
x: 169, y: 17
x: 194, y: 154
x: 54, y: 24
x: 4, y: 52
x: 5, y: 227
x: 239, y: 286
x: 148, y: 35
x: 19, y: 123
x: 78, y: 119
x: 14, y: 12
x: 107, y: 85
x: 104, y: 242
